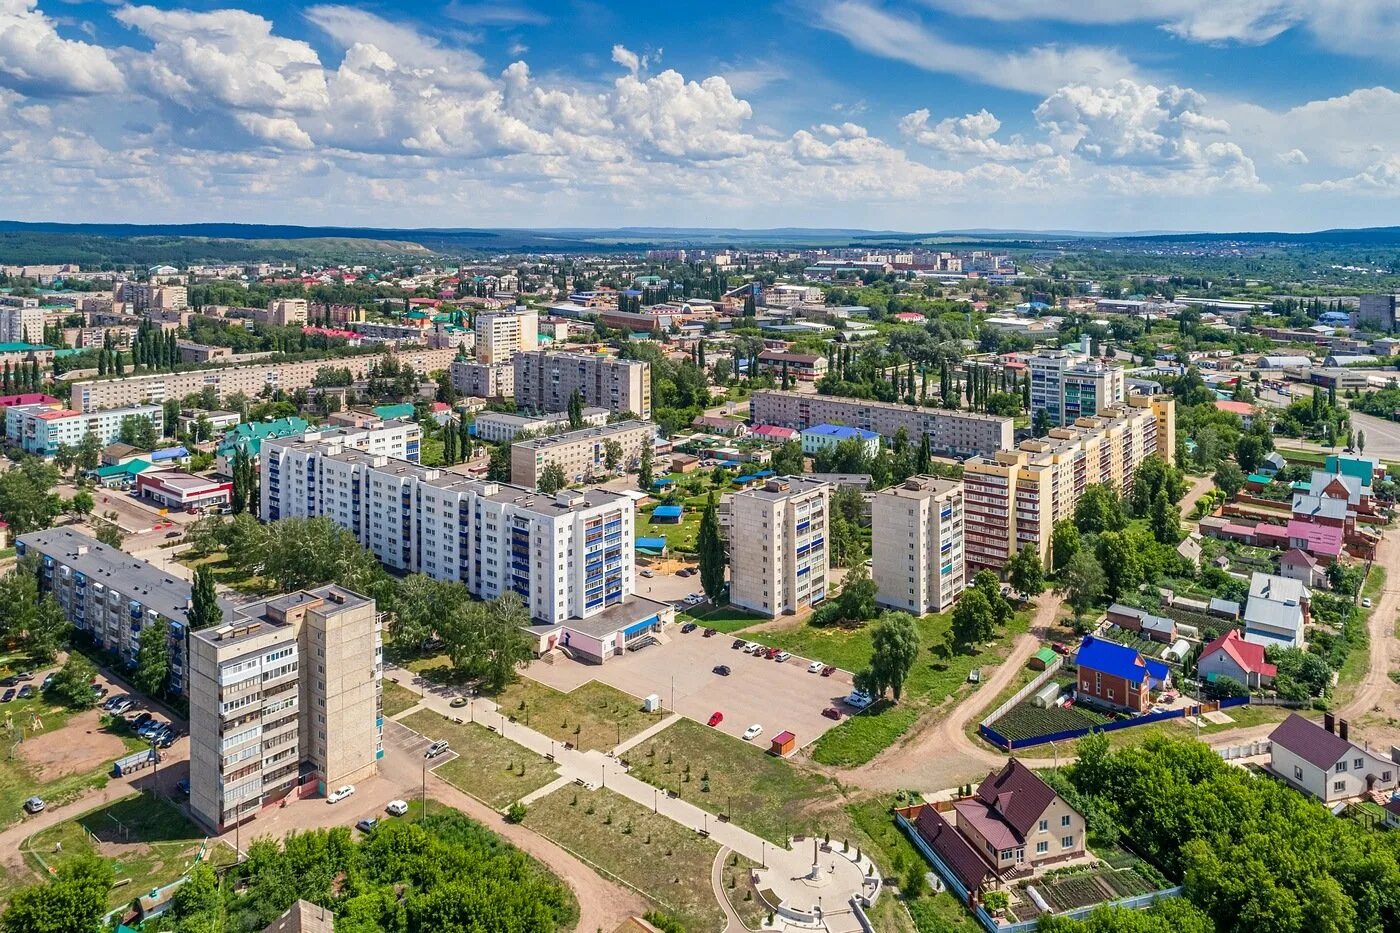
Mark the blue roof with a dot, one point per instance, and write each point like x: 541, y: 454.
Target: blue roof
x: 1118, y: 660
x: 651, y: 544
x: 169, y: 453
x: 666, y: 511
x: 764, y: 474
x: 663, y: 481
x: 728, y: 463
x: 841, y: 432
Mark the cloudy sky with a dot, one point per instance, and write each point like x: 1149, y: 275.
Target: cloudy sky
x: 921, y: 115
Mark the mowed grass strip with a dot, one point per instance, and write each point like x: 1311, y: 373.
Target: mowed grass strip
x: 664, y: 860
x: 764, y: 794
x: 488, y: 767
x: 398, y: 698
x: 594, y: 716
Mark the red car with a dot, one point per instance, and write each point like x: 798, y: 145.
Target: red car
x: 716, y: 718
x: 831, y: 712
x: 771, y: 653
x: 1058, y: 648
x: 828, y: 671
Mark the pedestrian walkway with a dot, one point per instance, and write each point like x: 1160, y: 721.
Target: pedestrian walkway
x: 645, y: 734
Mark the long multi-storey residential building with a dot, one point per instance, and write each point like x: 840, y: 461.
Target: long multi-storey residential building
x: 1068, y: 386
x: 284, y: 699
x: 111, y: 595
x: 1014, y: 497
x: 568, y: 556
x: 249, y: 379
x: 483, y: 380
x: 545, y: 379
x: 777, y: 545
x: 502, y: 334
x: 951, y: 433
x: 500, y: 427
x: 580, y: 454
x: 917, y: 544
x: 41, y: 429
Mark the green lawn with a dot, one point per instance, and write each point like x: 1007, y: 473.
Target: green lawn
x: 666, y: 861
x: 727, y: 619
x: 398, y: 698
x: 150, y: 842
x: 226, y: 574
x: 936, y: 676
x: 765, y: 795
x: 737, y: 871
x: 488, y: 767
x: 594, y: 716
x: 680, y: 536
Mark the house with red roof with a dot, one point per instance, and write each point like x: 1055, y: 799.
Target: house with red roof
x: 776, y: 433
x: 1231, y: 656
x: 1245, y: 410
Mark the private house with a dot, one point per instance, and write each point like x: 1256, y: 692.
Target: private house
x: 1276, y: 611
x: 1299, y: 565
x: 1117, y: 676
x: 1320, y: 760
x: 776, y: 433
x: 1232, y: 656
x: 1157, y: 628
x: 729, y: 427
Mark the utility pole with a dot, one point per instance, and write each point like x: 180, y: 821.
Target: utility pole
x: 423, y: 794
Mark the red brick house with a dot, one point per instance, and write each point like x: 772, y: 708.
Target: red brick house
x: 1117, y: 676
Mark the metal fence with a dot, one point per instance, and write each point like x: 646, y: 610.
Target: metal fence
x: 1036, y: 683
x: 1001, y: 741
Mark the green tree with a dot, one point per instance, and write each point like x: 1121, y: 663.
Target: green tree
x: 710, y: 546
x: 1165, y: 520
x: 552, y: 479
x: 788, y: 459
x: 575, y: 410
x: 1025, y: 572
x: 1229, y: 479
x: 205, y: 611
x: 245, y: 493
x: 1249, y: 452
x: 1099, y: 509
x: 1064, y: 543
x: 27, y: 500
x: 498, y: 467
x: 644, y: 477
x: 974, y: 621
x: 612, y: 454
x: 72, y: 685
x: 197, y: 900
x: 81, y: 504
x: 1121, y: 563
x: 30, y: 619
x: 89, y: 453
x: 74, y: 901
x: 110, y: 534
x: 1082, y: 582
x: 1040, y: 423
x: 139, y: 431
x: 152, y: 661
x: 894, y: 649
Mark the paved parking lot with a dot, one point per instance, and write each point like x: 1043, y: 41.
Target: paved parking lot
x: 776, y: 696
x: 401, y: 738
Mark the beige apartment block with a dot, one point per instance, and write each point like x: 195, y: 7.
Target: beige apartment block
x: 284, y: 699
x: 502, y: 334
x: 545, y: 379
x: 581, y: 453
x: 483, y: 380
x: 249, y: 379
x: 917, y: 544
x: 1014, y: 498
x: 285, y: 312
x: 777, y: 546
x: 950, y: 433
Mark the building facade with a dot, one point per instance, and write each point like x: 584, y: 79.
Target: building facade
x: 1067, y: 386
x: 545, y: 380
x: 777, y: 546
x: 1379, y: 311
x: 24, y: 324
x: 502, y: 428
x: 580, y: 454
x: 502, y: 334
x: 950, y: 433
x: 41, y: 429
x: 1014, y: 497
x: 284, y: 699
x: 916, y: 539
x: 483, y: 380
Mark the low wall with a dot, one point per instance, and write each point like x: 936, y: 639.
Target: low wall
x: 1002, y: 742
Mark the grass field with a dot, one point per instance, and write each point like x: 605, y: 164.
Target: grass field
x: 763, y: 794
x: 488, y: 767
x: 666, y: 861
x: 936, y: 676
x: 149, y: 842
x: 737, y: 887
x: 226, y: 574
x: 727, y: 619
x: 398, y: 698
x: 680, y: 536
x: 595, y: 716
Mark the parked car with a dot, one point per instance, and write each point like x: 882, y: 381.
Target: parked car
x: 23, y: 676
x: 722, y: 670
x: 10, y: 681
x: 752, y: 732
x: 140, y: 721
x: 117, y: 709
x: 752, y: 647
x: 99, y: 691
x: 437, y: 748
x: 648, y: 574
x: 396, y: 808
x: 48, y: 681
x: 683, y: 572
x: 340, y: 793
x: 367, y: 824
x: 688, y: 628
x: 27, y: 691
x: 1059, y: 648
x: 711, y: 632
x: 781, y: 657
x: 183, y: 786
x: 34, y: 805
x: 716, y: 718
x: 1366, y: 602
x: 828, y: 670
x: 814, y: 668
x: 173, y: 534
x: 738, y: 643
x: 8, y: 695
x: 859, y: 700
x: 831, y: 712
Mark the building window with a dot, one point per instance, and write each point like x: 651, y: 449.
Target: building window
x: 1006, y: 855
x: 1341, y: 767
x: 1044, y: 825
x: 1357, y: 764
x: 1067, y: 842
x: 1041, y: 848
x: 1065, y: 820
x: 1339, y: 786
x: 1297, y: 773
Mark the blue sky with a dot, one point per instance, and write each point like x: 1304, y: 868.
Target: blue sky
x: 922, y: 115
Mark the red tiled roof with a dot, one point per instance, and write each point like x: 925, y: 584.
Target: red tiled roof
x: 957, y: 853
x: 1249, y: 656
x: 1243, y: 409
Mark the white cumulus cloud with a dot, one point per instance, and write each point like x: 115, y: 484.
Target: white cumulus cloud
x: 35, y: 59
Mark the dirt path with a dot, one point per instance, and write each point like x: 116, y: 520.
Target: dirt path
x: 1200, y: 485
x: 1376, y: 690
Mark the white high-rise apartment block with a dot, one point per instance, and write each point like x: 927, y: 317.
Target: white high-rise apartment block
x: 21, y: 324
x: 502, y: 334
x: 1069, y: 386
x: 917, y: 544
x: 777, y: 545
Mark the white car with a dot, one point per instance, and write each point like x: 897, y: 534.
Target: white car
x: 782, y: 657
x: 859, y: 700
x: 752, y: 732
x: 751, y: 647
x: 1366, y: 602
x: 340, y: 793
x: 814, y: 668
x: 396, y: 808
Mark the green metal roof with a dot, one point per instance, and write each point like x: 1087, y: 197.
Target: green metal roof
x: 1358, y: 467
x: 22, y: 347
x: 130, y: 468
x: 250, y: 435
x: 1260, y: 478
x: 387, y: 412
x: 1045, y: 655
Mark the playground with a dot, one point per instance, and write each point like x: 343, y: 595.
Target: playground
x: 78, y: 746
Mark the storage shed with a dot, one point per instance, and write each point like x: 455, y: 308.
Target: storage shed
x: 784, y: 744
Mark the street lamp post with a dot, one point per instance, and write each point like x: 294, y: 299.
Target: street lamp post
x: 655, y: 800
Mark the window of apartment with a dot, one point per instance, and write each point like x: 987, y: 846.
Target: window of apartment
x: 1067, y: 842
x: 1065, y: 820
x: 1297, y: 773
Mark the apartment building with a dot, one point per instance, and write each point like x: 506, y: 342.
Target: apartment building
x: 249, y: 379
x: 808, y: 367
x: 499, y: 427
x: 284, y: 699
x: 1014, y: 497
x: 581, y: 453
x: 950, y: 433
x: 569, y: 556
x: 286, y: 312
x: 1068, y: 386
x: 502, y: 334
x: 41, y: 429
x: 483, y: 380
x: 777, y: 545
x: 22, y: 324
x: 152, y: 296
x: 545, y: 379
x: 917, y: 544
x: 1379, y: 311
x: 111, y: 595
